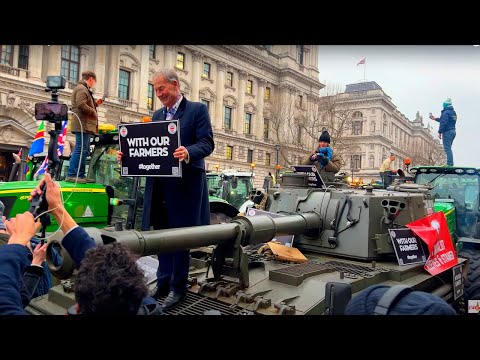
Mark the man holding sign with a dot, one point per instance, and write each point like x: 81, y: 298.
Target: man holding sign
x: 178, y: 201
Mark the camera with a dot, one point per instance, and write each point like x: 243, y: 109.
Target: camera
x: 52, y: 111
x: 55, y: 83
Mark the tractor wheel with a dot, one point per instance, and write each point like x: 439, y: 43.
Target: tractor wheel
x: 472, y: 280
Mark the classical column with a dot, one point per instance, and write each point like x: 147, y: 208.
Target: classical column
x: 306, y: 61
x: 242, y: 85
x: 218, y: 116
x: 15, y: 56
x: 143, y: 78
x: 170, y: 60
x: 100, y: 62
x: 54, y: 60
x: 84, y: 50
x: 197, y: 57
x: 113, y: 68
x: 35, y: 60
x: 260, y: 102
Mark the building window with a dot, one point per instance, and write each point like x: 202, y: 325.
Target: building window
x: 385, y: 128
x: 268, y: 159
x: 373, y: 111
x: 70, y: 62
x: 248, y: 123
x: 150, y: 97
x: 6, y: 55
x: 300, y: 101
x: 124, y: 85
x: 372, y: 127
x: 300, y: 54
x: 249, y: 156
x: 249, y: 86
x: 229, y: 79
x: 267, y: 94
x: 180, y: 61
x: 206, y: 70
x: 356, y: 162
x: 207, y: 104
x: 23, y: 53
x: 299, y: 134
x: 372, y: 147
x: 227, y: 120
x: 371, y: 161
x: 229, y: 152
x: 266, y: 126
x: 357, y: 114
x: 357, y: 127
x: 151, y: 49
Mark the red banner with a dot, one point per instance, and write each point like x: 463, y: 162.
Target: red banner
x: 433, y: 230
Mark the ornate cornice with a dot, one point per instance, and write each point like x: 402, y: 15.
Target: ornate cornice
x: 262, y: 82
x: 197, y: 55
x: 242, y: 75
x: 222, y: 66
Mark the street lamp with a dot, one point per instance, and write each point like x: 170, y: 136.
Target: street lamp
x: 216, y: 167
x: 253, y: 166
x: 277, y: 166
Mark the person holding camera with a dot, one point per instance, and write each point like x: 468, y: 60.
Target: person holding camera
x: 324, y: 158
x: 83, y: 124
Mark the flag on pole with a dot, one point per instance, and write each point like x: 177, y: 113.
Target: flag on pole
x: 361, y: 62
x: 60, y: 145
x: 38, y: 141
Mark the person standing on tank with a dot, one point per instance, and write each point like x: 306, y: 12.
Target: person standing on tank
x: 178, y: 202
x: 446, y: 130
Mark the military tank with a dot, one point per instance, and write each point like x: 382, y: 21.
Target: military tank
x: 343, y: 234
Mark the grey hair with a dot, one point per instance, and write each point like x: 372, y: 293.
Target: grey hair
x: 169, y: 74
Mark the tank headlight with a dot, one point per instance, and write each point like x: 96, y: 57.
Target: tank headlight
x: 97, y: 138
x: 459, y: 171
x: 470, y: 171
x: 413, y: 171
x: 423, y: 170
x: 433, y: 170
x: 115, y: 137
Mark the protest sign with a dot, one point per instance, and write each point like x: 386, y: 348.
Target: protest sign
x: 148, y: 149
x: 407, y: 246
x: 314, y: 178
x: 433, y: 230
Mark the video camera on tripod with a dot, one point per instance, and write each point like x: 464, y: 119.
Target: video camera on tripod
x: 55, y: 113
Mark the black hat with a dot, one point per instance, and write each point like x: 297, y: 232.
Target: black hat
x: 411, y: 303
x: 325, y: 136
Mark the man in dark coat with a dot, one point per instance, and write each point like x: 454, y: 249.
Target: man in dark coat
x: 178, y: 202
x: 446, y: 130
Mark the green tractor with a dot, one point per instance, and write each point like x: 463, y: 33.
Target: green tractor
x: 111, y: 200
x: 456, y: 192
x: 232, y: 186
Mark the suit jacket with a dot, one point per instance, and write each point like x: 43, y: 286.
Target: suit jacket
x: 180, y: 202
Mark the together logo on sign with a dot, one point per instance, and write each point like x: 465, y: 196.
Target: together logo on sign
x: 149, y: 167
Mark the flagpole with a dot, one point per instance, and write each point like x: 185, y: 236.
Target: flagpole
x: 364, y: 67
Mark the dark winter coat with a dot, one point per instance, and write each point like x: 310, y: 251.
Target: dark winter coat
x: 84, y: 105
x: 179, y: 202
x: 447, y: 119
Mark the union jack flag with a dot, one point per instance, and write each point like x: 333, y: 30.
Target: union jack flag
x: 60, y: 145
x: 361, y: 62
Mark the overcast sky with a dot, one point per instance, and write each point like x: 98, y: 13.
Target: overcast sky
x: 417, y: 78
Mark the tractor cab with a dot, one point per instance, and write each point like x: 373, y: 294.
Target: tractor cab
x: 230, y: 185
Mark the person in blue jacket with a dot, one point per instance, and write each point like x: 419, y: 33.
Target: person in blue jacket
x: 446, y: 130
x: 109, y: 281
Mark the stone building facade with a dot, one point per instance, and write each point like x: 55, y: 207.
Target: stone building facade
x: 236, y: 82
x: 378, y: 128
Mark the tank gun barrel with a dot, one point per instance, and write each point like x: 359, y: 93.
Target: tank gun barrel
x: 252, y: 230
x: 241, y: 230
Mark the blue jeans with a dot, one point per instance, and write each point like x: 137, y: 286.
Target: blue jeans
x: 447, y: 138
x: 75, y: 158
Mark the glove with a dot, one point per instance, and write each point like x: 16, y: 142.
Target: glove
x: 323, y: 161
